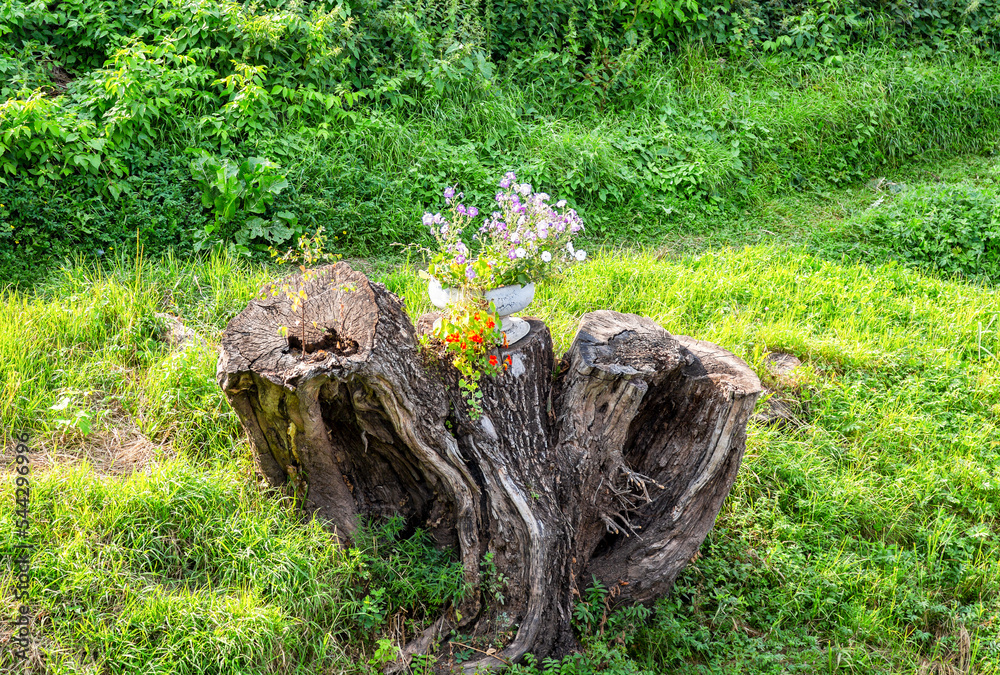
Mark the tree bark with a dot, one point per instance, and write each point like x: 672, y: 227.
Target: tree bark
x: 616, y: 467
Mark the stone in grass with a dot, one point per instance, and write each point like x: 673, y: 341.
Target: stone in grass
x: 175, y: 333
x: 780, y: 404
x: 781, y: 365
x: 775, y: 411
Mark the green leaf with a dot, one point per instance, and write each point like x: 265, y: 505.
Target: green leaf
x: 288, y: 217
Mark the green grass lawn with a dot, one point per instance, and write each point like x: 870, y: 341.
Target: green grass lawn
x: 864, y: 539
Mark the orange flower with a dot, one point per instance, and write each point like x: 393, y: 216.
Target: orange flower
x: 493, y: 360
x: 490, y: 323
x: 463, y: 346
x: 476, y: 337
x: 452, y: 338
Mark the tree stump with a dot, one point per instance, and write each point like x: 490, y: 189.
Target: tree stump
x: 612, y: 462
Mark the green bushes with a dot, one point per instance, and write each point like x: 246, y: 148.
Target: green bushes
x: 693, y: 133
x: 372, y: 107
x: 160, y: 74
x: 952, y: 229
x: 249, y: 187
x: 158, y: 204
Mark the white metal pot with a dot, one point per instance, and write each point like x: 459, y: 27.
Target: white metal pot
x: 507, y: 300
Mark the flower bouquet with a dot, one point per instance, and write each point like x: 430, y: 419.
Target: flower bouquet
x: 481, y: 280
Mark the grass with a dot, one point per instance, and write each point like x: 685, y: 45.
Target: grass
x: 864, y: 540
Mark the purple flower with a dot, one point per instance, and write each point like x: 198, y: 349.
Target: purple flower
x: 460, y: 260
x: 507, y: 179
x: 449, y: 193
x: 461, y: 209
x: 473, y: 212
x: 470, y: 273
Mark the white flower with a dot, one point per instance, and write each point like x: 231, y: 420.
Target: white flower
x: 580, y: 255
x: 519, y: 252
x: 546, y: 256
x: 524, y: 189
x: 569, y: 247
x: 561, y: 203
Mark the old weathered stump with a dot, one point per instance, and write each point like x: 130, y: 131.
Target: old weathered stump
x: 616, y: 467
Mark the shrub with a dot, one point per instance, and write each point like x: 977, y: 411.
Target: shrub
x: 953, y: 229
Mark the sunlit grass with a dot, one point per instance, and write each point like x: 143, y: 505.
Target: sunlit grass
x: 865, y: 538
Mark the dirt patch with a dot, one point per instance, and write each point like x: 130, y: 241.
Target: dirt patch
x: 118, y: 452
x: 956, y: 660
x: 60, y: 78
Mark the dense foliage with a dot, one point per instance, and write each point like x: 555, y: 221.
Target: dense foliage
x: 953, y: 229
x: 635, y: 112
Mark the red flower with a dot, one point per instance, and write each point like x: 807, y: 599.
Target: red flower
x: 476, y: 337
x: 452, y: 338
x: 490, y: 323
x: 463, y: 346
x: 493, y: 360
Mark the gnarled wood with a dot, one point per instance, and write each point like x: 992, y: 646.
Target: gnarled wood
x: 617, y: 467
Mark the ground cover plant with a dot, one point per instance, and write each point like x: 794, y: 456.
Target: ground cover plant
x: 861, y: 539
